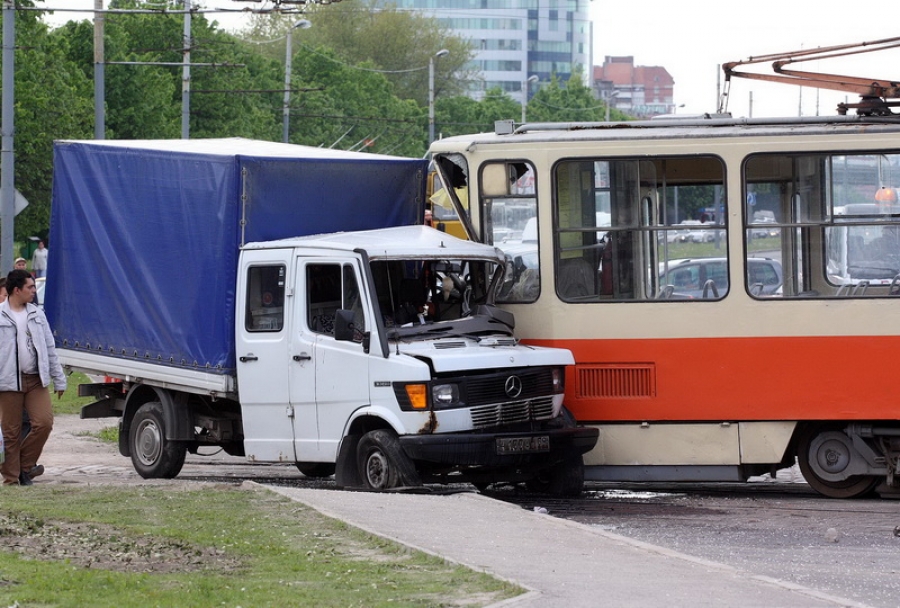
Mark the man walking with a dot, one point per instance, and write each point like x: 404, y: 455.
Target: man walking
x: 27, y: 364
x: 39, y: 261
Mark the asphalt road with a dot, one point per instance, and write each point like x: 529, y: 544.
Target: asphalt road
x: 781, y: 530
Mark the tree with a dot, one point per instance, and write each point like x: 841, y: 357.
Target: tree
x: 572, y: 101
x: 460, y: 115
x: 52, y: 102
x: 400, y: 43
x: 347, y: 108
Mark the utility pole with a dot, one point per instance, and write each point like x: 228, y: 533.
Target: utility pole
x: 186, y: 74
x: 99, y: 71
x: 7, y: 158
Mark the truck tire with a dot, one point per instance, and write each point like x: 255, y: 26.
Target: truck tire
x: 564, y: 479
x: 153, y: 456
x: 316, y: 469
x: 382, y: 463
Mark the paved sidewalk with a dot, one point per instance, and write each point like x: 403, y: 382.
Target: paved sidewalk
x: 564, y: 564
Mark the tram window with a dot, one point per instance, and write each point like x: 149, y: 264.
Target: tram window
x: 640, y: 229
x: 509, y: 210
x: 832, y: 221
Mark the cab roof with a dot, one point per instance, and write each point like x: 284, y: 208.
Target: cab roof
x: 403, y: 242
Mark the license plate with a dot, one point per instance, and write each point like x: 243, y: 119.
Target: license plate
x: 523, y: 445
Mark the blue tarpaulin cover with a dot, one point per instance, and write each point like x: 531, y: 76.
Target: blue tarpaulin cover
x: 145, y: 235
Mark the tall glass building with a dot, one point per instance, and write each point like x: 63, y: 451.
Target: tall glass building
x: 517, y: 39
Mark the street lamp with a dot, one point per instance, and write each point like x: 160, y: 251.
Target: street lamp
x: 609, y: 99
x: 438, y: 55
x: 525, y: 87
x: 303, y: 24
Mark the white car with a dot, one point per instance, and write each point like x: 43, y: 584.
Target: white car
x: 41, y: 285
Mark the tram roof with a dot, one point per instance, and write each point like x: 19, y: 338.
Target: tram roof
x: 706, y: 125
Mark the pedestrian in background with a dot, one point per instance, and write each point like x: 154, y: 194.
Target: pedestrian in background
x: 20, y: 264
x: 28, y: 363
x: 39, y: 261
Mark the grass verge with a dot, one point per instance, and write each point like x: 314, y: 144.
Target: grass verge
x: 214, y: 546
x: 70, y: 402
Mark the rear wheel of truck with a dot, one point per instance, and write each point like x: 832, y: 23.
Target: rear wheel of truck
x: 154, y: 456
x: 564, y: 479
x: 383, y: 464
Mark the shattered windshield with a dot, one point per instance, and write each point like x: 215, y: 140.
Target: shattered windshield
x: 430, y: 298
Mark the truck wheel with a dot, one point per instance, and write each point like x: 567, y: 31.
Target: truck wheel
x: 153, y: 456
x: 316, y: 469
x: 564, y: 479
x: 382, y: 463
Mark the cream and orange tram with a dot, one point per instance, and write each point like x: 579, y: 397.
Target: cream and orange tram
x: 730, y: 288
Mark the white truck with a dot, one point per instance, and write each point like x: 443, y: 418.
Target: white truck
x: 374, y: 354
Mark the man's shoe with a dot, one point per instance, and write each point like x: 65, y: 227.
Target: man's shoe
x: 25, y: 480
x: 36, y: 471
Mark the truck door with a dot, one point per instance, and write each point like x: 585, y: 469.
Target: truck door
x: 264, y: 357
x: 334, y: 380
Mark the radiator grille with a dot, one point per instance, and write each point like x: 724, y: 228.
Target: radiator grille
x: 497, y: 414
x: 491, y: 388
x: 612, y: 381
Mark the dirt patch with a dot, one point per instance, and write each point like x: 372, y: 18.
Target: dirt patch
x: 105, y: 547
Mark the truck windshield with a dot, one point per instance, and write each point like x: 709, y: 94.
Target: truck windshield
x: 419, y: 292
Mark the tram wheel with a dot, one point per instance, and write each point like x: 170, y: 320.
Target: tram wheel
x: 829, y: 450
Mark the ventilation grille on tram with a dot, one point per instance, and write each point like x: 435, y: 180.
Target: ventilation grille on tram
x: 611, y: 381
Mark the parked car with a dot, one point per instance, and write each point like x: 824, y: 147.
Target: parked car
x: 41, y: 285
x: 707, y: 278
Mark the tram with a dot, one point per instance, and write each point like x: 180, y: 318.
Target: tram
x: 730, y: 288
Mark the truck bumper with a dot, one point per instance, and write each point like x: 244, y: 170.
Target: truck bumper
x: 501, y: 449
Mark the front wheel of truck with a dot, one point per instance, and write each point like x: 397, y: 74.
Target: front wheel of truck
x: 382, y: 462
x: 154, y: 456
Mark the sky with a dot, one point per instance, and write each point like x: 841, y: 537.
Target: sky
x: 692, y: 39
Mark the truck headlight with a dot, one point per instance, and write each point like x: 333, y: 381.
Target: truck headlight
x: 445, y: 395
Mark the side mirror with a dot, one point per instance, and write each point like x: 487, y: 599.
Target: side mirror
x: 345, y: 329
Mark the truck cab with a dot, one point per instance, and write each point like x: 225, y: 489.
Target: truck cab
x: 381, y: 354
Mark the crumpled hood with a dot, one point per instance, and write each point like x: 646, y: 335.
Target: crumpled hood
x: 461, y: 353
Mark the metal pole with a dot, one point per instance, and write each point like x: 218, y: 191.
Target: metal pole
x: 99, y: 72
x: 288, y: 60
x: 186, y: 74
x: 286, y: 107
x: 525, y: 87
x: 609, y: 98
x: 439, y: 54
x: 430, y: 100
x: 7, y: 159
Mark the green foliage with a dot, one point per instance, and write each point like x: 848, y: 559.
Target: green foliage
x: 460, y: 115
x: 399, y: 43
x: 70, y: 402
x: 214, y: 546
x: 53, y: 101
x: 570, y: 101
x: 359, y: 80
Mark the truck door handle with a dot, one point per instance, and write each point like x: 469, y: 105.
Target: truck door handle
x: 302, y: 357
x: 250, y: 357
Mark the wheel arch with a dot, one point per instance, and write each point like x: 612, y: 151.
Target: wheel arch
x: 178, y: 418
x: 346, y: 470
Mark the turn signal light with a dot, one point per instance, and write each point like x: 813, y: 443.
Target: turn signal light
x: 418, y: 396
